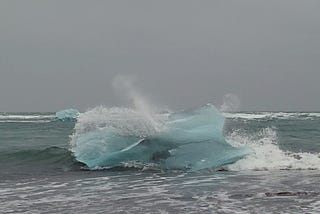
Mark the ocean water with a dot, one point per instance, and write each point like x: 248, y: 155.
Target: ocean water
x: 41, y: 172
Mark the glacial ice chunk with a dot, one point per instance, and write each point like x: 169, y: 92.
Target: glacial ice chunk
x: 67, y: 115
x: 187, y: 140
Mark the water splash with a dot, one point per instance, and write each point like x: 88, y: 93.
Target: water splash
x: 267, y: 155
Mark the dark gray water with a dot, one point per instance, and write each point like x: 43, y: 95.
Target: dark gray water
x: 39, y: 174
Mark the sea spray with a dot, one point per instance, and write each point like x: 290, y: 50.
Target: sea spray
x: 125, y: 86
x: 231, y: 103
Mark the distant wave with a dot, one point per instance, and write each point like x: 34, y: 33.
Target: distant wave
x: 26, y: 117
x: 63, y: 116
x: 273, y: 115
x: 51, y: 117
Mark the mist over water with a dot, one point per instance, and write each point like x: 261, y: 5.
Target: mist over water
x: 124, y: 86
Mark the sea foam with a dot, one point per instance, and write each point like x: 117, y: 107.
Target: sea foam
x: 267, y: 154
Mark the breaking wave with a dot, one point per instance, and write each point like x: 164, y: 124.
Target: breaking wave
x: 267, y: 154
x: 26, y: 118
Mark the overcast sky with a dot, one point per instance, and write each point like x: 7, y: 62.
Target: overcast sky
x: 60, y: 54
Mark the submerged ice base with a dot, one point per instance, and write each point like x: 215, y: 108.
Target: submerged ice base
x: 184, y: 140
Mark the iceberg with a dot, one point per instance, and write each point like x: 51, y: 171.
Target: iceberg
x: 188, y: 140
x: 67, y: 115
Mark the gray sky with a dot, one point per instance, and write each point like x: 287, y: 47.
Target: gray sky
x: 60, y: 54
